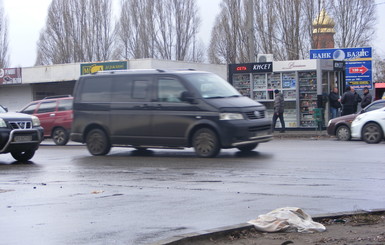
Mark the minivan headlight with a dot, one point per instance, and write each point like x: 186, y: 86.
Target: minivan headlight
x: 35, y: 121
x: 231, y: 116
x: 2, y: 123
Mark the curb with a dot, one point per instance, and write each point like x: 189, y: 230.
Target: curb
x: 228, y: 230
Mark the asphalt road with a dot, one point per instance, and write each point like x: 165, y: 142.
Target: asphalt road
x: 66, y: 196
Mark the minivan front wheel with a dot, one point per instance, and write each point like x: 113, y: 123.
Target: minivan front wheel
x: 206, y: 143
x: 372, y: 133
x: 97, y: 142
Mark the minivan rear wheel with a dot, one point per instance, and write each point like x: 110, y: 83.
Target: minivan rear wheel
x: 206, y: 143
x: 60, y: 136
x: 97, y: 142
x: 372, y: 133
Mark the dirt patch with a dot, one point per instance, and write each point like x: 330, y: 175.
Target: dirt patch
x: 361, y: 229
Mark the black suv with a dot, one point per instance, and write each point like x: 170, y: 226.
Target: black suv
x: 20, y: 134
x: 172, y: 109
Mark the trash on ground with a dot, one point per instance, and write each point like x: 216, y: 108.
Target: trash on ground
x: 288, y: 219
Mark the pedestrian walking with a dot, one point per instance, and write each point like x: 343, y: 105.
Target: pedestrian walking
x: 357, y: 100
x: 367, y: 98
x: 347, y: 101
x: 278, y: 110
x: 334, y: 102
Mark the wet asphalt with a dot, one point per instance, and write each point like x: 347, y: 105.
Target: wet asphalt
x: 66, y: 196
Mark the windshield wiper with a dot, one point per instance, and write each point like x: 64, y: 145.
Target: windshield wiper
x: 216, y: 97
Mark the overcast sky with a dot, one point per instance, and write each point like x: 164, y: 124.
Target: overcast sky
x: 26, y: 18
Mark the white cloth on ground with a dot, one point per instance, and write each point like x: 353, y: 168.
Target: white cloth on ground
x: 288, y: 219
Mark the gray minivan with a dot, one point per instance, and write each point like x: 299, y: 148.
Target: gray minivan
x: 165, y: 109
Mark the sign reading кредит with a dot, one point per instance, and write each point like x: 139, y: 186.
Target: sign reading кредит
x: 89, y: 68
x: 358, y: 64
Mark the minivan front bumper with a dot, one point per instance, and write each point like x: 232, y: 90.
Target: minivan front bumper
x: 234, y: 133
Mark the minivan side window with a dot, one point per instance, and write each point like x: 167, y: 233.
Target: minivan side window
x: 96, y: 90
x: 65, y: 105
x: 121, y: 91
x: 30, y: 109
x: 170, y: 90
x: 140, y: 89
x: 46, y: 107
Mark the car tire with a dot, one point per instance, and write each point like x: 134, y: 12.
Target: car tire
x: 97, y: 142
x: 372, y: 133
x: 60, y: 136
x: 206, y: 143
x: 23, y: 156
x: 343, y: 133
x: 247, y: 148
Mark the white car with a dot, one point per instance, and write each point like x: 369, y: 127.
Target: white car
x: 369, y: 126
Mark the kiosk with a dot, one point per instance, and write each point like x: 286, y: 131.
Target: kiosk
x: 305, y: 85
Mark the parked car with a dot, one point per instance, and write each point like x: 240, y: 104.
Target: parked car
x: 20, y: 134
x: 340, y: 126
x: 165, y: 109
x: 370, y: 126
x: 55, y: 114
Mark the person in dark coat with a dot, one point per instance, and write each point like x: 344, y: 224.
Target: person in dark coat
x: 335, y: 105
x: 357, y: 99
x: 278, y: 110
x: 347, y: 101
x: 367, y: 98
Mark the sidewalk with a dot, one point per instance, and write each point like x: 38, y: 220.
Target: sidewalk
x: 341, y: 229
x: 298, y: 133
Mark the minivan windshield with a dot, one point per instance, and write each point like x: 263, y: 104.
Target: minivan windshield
x: 211, y: 86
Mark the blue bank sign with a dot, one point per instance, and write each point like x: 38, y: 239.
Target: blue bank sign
x: 342, y: 54
x: 358, y: 64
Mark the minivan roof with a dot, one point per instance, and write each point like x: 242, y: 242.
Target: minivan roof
x: 146, y: 71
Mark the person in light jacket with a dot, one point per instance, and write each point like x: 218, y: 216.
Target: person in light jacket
x: 278, y: 110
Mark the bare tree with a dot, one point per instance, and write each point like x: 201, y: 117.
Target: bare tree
x: 4, y: 57
x: 355, y: 21
x: 164, y: 29
x: 135, y: 29
x: 76, y: 31
x: 285, y: 27
x: 378, y: 69
x: 229, y: 36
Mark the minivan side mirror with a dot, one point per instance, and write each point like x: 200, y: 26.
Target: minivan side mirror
x: 187, y: 97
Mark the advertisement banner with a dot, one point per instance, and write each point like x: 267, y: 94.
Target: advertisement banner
x: 358, y: 74
x: 342, y: 54
x: 10, y: 75
x: 358, y: 64
x: 89, y: 68
x: 251, y: 67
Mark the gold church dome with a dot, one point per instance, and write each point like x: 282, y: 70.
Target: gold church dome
x: 323, y: 23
